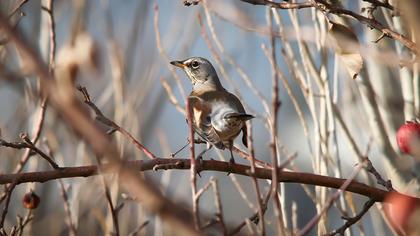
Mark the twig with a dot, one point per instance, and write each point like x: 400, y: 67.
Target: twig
x: 255, y: 217
x: 162, y: 51
x: 6, y: 204
x: 386, y: 183
x: 330, y: 202
x: 274, y: 127
x: 248, y: 157
x: 352, y: 220
x: 67, y: 209
x: 218, y: 203
x: 38, y: 129
x: 254, y: 179
x: 114, y: 210
x: 27, y: 143
x: 139, y: 228
x: 377, y: 3
x: 50, y: 11
x: 17, y: 8
x: 196, y: 213
x: 281, y: 5
x: 103, y: 119
x: 23, y: 222
x: 171, y: 95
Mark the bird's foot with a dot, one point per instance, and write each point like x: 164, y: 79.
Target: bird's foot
x: 230, y: 166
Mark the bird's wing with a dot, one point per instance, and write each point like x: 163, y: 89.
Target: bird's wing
x: 245, y: 135
x: 202, y: 121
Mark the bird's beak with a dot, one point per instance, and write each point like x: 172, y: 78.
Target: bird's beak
x: 179, y: 64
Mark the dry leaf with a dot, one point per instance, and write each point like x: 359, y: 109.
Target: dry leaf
x: 347, y: 46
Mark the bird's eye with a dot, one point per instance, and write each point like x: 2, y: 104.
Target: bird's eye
x: 194, y: 64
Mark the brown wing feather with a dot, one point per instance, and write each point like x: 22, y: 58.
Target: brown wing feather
x: 245, y: 136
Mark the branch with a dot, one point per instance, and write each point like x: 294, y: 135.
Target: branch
x: 280, y: 5
x: 206, y: 165
x: 329, y: 8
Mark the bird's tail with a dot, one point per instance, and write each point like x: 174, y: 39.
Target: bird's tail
x: 239, y: 116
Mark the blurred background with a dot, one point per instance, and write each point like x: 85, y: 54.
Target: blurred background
x: 326, y: 118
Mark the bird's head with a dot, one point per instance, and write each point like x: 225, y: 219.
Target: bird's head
x: 200, y: 71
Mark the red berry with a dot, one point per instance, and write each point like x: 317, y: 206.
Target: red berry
x: 408, y: 138
x: 30, y: 200
x: 402, y: 211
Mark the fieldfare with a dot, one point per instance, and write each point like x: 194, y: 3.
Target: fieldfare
x: 217, y: 115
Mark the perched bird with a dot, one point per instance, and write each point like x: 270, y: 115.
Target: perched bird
x: 217, y: 115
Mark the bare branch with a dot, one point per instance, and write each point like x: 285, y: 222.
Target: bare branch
x: 206, y: 165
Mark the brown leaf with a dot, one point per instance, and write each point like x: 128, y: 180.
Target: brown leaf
x: 345, y: 43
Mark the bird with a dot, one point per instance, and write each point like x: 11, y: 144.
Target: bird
x: 218, y: 116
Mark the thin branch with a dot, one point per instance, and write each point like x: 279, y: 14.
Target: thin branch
x: 352, y: 220
x: 255, y: 217
x: 39, y: 124
x: 280, y: 5
x: 50, y: 11
x: 195, y: 198
x: 308, y: 227
x: 274, y: 127
x: 254, y: 179
x: 218, y: 203
x: 139, y: 228
x: 67, y: 209
x: 27, y: 143
x: 386, y: 183
x: 377, y: 3
x: 23, y: 222
x: 114, y: 210
x: 17, y: 8
x: 106, y: 121
x: 6, y: 204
